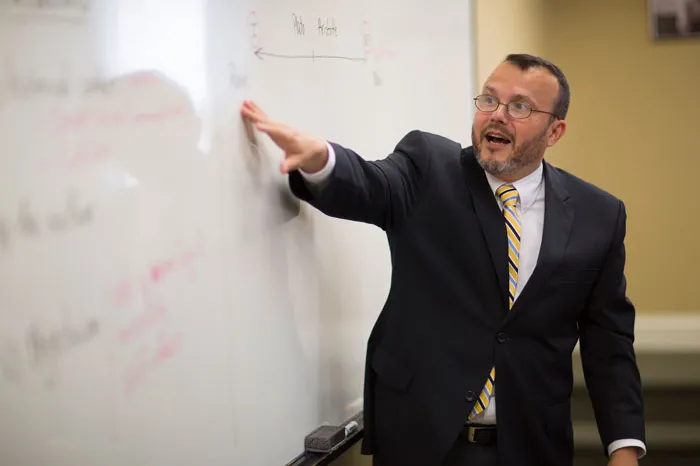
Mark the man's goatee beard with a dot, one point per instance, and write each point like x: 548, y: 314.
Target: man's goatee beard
x: 525, y: 154
x: 492, y: 166
x: 497, y: 168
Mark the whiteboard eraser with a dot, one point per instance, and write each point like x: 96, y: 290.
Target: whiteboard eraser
x: 324, y: 439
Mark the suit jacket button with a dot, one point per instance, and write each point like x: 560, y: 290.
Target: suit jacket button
x: 502, y: 337
x: 470, y: 396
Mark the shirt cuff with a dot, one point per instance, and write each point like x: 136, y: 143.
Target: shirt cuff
x: 324, y: 173
x: 617, y: 444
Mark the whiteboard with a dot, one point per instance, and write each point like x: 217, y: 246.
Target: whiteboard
x: 163, y: 297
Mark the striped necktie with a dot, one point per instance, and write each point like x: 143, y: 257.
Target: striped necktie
x: 509, y: 196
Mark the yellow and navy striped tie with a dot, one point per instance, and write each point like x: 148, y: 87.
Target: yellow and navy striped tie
x: 509, y: 196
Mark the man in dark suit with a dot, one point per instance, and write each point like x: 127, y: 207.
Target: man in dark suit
x: 501, y: 263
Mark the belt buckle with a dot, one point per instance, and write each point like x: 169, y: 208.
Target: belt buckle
x: 473, y: 430
x: 470, y: 433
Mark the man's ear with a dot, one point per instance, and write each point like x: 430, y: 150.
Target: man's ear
x: 556, y: 132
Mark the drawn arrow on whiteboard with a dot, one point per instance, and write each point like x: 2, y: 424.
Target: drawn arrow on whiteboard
x: 260, y: 54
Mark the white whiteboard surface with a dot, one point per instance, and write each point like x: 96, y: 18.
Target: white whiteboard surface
x: 163, y: 299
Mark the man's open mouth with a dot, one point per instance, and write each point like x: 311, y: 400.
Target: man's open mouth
x: 497, y: 138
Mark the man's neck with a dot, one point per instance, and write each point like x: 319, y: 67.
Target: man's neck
x: 516, y: 175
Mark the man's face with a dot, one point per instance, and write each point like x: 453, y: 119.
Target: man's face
x: 511, y: 148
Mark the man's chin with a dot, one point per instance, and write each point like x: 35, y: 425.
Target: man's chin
x: 495, y: 162
x: 498, y: 156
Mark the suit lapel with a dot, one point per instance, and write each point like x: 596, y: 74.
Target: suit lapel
x: 490, y: 219
x: 558, y: 218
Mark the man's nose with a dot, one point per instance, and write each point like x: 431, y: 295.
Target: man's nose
x: 500, y: 114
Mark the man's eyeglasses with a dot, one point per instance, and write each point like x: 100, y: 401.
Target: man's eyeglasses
x: 518, y: 110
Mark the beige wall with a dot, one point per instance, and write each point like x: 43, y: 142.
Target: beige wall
x: 633, y: 130
x: 503, y: 27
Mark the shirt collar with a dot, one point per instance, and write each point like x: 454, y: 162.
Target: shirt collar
x: 527, y: 187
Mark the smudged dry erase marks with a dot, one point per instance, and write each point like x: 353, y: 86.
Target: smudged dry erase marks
x: 41, y: 350
x: 30, y: 224
x: 147, y: 339
x: 156, y: 116
x: 49, y: 5
x: 237, y: 79
x: 152, y: 316
x: 29, y: 85
x: 75, y: 215
x: 88, y: 118
x: 27, y: 223
x: 124, y: 292
x: 159, y: 270
x: 150, y: 361
x: 56, y: 80
x: 86, y: 155
x: 71, y: 12
x: 140, y: 80
x: 45, y: 344
x: 366, y: 37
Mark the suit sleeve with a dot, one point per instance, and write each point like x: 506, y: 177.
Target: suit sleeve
x: 607, y: 353
x: 382, y: 192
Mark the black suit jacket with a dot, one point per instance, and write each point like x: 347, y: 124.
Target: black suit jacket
x: 446, y: 320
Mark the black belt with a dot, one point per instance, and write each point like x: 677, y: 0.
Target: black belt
x: 480, y: 434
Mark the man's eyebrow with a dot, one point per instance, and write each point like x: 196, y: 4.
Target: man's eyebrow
x: 520, y: 97
x: 516, y: 97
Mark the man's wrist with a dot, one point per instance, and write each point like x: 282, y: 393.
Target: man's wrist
x: 635, y: 444
x: 626, y: 452
x: 320, y: 177
x: 317, y: 162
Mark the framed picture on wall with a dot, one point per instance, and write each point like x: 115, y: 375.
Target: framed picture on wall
x: 674, y: 19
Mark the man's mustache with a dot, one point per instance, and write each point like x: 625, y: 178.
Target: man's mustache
x: 498, y: 128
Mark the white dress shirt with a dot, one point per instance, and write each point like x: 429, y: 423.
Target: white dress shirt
x: 530, y: 209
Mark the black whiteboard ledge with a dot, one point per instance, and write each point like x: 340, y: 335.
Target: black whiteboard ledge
x: 309, y: 458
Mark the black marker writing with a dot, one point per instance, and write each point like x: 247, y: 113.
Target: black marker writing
x: 27, y: 223
x: 327, y: 27
x: 299, y: 27
x: 52, y: 344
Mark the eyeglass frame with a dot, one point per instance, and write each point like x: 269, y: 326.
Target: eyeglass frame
x: 507, y: 109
